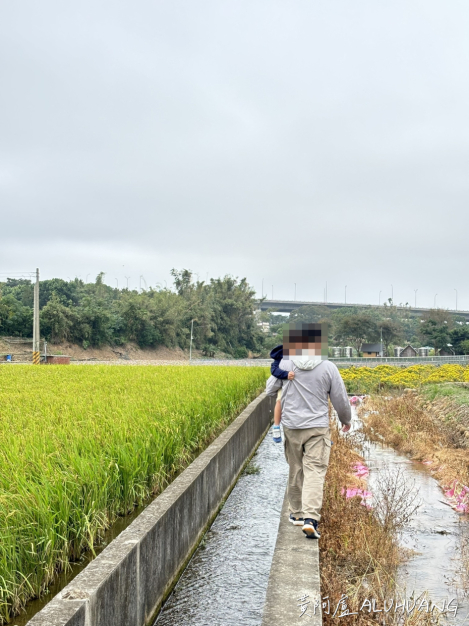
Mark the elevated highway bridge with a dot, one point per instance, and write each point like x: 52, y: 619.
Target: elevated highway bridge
x: 287, y: 306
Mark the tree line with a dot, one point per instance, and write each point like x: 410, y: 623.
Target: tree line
x: 224, y: 314
x: 95, y: 314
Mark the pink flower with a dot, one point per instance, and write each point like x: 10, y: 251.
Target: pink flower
x: 352, y: 492
x: 361, y: 470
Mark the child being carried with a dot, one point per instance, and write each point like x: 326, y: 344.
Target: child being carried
x: 277, y: 355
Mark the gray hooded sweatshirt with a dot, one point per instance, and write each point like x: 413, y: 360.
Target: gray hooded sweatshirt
x: 304, y: 399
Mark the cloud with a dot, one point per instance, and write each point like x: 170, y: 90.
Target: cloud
x: 290, y: 142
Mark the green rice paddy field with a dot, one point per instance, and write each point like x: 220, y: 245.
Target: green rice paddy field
x: 81, y: 445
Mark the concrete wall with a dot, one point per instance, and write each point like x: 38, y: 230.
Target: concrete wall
x: 126, y: 584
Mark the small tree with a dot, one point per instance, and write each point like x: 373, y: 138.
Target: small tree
x: 57, y: 320
x: 464, y: 347
x: 435, y: 328
x: 356, y: 329
x: 15, y: 319
x: 459, y: 338
x: 390, y: 330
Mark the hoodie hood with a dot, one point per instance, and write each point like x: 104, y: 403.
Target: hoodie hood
x: 277, y: 353
x: 306, y: 362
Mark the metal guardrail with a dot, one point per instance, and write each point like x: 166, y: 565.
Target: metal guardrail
x: 341, y: 362
x: 16, y: 340
x: 462, y: 359
x: 348, y: 362
x: 236, y: 362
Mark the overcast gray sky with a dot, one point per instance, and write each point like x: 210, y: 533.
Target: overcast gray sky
x: 291, y: 142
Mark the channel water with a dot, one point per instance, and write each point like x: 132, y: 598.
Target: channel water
x: 225, y: 582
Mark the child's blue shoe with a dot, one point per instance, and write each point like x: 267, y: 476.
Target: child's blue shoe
x: 276, y: 434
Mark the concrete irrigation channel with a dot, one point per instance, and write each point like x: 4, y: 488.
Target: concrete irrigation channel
x: 128, y: 582
x: 215, y: 548
x: 228, y: 578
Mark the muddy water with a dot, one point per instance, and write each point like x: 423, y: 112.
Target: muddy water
x: 226, y: 580
x: 434, y: 533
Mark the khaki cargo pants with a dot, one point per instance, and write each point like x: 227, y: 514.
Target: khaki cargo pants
x: 307, y: 451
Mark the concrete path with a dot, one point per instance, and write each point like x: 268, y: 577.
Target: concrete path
x: 293, y: 593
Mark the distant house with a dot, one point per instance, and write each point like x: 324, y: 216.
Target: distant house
x: 372, y: 349
x: 408, y: 351
x: 445, y: 352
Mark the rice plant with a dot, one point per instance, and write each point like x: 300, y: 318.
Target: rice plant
x: 81, y: 445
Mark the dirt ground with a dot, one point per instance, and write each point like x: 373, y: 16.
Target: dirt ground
x: 129, y: 352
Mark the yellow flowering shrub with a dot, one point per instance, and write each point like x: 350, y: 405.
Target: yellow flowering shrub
x: 368, y: 379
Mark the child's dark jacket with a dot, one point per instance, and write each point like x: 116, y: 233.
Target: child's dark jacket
x: 277, y: 356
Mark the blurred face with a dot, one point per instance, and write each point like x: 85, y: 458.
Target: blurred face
x: 305, y: 340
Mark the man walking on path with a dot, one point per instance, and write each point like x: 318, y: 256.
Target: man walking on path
x: 305, y: 418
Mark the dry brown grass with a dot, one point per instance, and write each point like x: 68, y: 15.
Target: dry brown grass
x: 359, y: 549
x: 425, y: 431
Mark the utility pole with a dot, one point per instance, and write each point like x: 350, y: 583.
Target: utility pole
x: 36, y: 332
x: 192, y: 334
x: 415, y: 294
